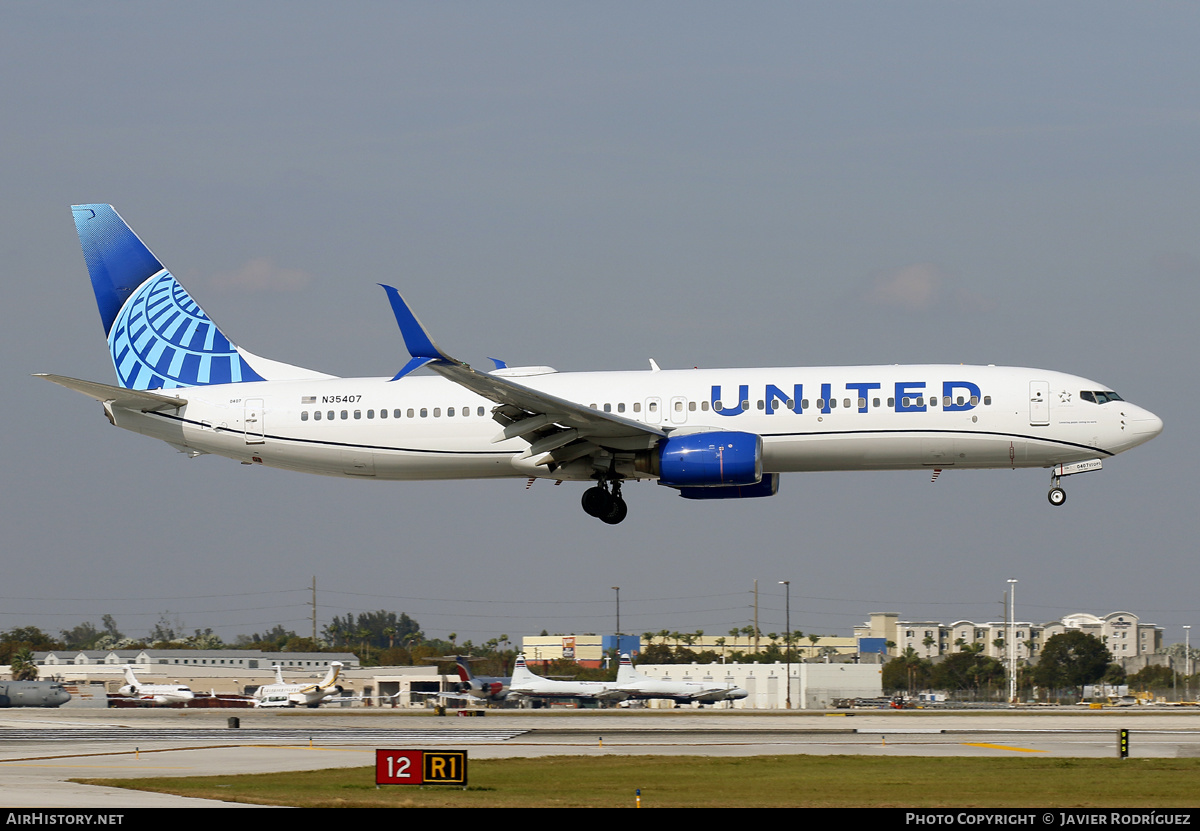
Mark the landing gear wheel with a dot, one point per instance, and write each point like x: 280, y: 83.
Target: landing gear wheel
x: 617, y: 511
x: 595, y: 501
x: 1057, y: 496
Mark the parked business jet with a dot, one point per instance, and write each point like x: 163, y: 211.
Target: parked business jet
x: 707, y: 433
x: 283, y: 694
x: 151, y: 694
x: 636, y: 685
x: 525, y: 683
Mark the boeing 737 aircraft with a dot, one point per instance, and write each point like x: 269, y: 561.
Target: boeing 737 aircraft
x: 707, y: 433
x: 154, y: 693
x: 635, y: 685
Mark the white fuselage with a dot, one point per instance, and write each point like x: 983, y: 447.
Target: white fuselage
x: 158, y: 693
x: 290, y: 695
x: 809, y: 418
x: 679, y: 690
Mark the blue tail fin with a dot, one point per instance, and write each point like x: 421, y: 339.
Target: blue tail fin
x: 158, y: 336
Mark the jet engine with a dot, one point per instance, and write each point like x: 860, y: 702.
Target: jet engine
x: 716, y: 459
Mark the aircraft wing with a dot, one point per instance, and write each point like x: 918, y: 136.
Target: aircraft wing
x: 558, y: 430
x: 117, y: 396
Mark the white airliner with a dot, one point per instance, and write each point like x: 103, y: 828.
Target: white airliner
x: 633, y: 684
x: 154, y: 693
x: 707, y: 433
x: 525, y: 683
x: 282, y: 694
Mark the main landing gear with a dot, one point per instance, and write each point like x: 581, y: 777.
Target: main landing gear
x: 604, y: 502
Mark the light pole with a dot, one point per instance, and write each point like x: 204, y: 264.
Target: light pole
x: 617, y: 589
x: 787, y: 594
x: 1010, y: 637
x: 1187, y: 663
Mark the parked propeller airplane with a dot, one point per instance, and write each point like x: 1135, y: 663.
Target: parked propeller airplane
x: 525, y: 684
x: 33, y: 694
x: 707, y: 433
x: 636, y: 685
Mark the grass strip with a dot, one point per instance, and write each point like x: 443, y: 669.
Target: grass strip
x: 728, y: 782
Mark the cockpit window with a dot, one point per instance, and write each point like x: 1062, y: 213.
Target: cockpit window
x: 1100, y: 397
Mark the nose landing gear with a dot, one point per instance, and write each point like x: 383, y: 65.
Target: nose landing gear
x: 1057, y: 495
x: 605, y: 503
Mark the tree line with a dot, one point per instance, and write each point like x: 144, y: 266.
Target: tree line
x: 379, y: 638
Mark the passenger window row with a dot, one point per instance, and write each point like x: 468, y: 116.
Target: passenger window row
x: 423, y: 412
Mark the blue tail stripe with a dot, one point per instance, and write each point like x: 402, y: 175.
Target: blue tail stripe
x: 117, y: 260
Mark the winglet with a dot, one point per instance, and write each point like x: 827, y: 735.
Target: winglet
x: 419, y: 344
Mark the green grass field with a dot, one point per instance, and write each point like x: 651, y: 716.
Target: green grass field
x: 751, y: 781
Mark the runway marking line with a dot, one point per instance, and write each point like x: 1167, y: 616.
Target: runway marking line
x: 109, y: 767
x: 1003, y: 747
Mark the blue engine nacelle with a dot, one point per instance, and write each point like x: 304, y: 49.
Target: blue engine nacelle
x: 769, y: 486
x: 710, y: 460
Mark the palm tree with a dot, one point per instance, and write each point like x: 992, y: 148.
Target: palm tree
x: 24, y: 668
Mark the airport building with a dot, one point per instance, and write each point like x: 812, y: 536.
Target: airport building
x: 590, y: 650
x: 83, y: 664
x: 814, y: 686
x: 1122, y: 632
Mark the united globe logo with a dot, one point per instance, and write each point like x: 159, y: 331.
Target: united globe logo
x: 162, y: 339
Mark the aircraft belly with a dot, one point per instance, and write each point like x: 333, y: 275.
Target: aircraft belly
x: 914, y: 450
x: 149, y: 424
x: 855, y: 451
x: 380, y: 463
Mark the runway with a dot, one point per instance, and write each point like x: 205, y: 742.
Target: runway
x: 41, y: 749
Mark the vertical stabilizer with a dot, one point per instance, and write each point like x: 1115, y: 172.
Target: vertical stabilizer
x: 335, y: 669
x: 521, y: 673
x: 158, y: 336
x: 626, y: 674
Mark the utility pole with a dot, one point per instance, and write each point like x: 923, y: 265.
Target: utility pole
x: 314, y: 609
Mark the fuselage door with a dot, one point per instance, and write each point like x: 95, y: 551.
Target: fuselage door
x: 253, y: 421
x: 1039, y: 403
x: 654, y: 411
x: 679, y: 410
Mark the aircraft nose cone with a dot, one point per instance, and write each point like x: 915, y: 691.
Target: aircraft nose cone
x: 1147, y: 424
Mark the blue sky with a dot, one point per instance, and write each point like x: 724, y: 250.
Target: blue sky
x: 589, y: 186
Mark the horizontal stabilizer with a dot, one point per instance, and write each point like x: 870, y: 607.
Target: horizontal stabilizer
x: 118, y: 396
